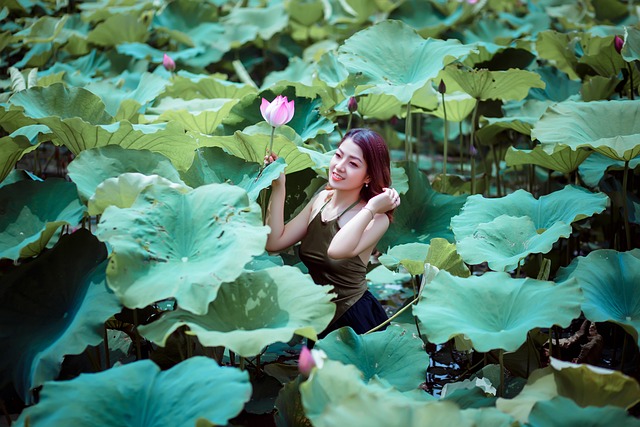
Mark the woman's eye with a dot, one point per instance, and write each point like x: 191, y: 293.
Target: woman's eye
x: 338, y: 155
x: 354, y: 164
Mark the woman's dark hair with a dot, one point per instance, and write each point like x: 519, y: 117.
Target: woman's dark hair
x: 376, y: 155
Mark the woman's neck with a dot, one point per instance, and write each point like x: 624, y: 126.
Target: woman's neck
x: 343, y: 198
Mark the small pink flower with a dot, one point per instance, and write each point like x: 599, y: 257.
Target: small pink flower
x: 352, y: 104
x: 168, y: 63
x: 278, y: 112
x: 618, y: 42
x: 310, y: 359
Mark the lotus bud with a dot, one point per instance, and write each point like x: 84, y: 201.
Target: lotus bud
x: 168, y: 63
x: 278, y: 112
x: 473, y: 151
x: 618, y: 42
x: 442, y: 88
x: 352, y: 104
x: 310, y: 359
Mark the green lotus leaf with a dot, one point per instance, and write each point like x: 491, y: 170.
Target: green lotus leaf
x: 393, y: 355
x: 382, y: 281
x: 194, y: 390
x: 608, y: 127
x: 93, y: 166
x: 394, y: 60
x: 62, y: 102
x: 424, y: 16
x: 378, y: 106
x: 188, y: 22
x: 331, y: 71
x: 43, y: 30
x: 410, y: 255
x: 546, y: 413
x: 206, y: 87
x: 631, y: 48
x: 423, y: 214
x: 458, y: 106
x: 565, y: 160
x: 214, y: 165
x: 123, y: 191
x: 558, y: 49
x: 540, y: 386
x: 52, y: 307
x: 488, y: 417
x: 443, y: 255
x: 257, y: 309
x: 11, y: 150
x: 32, y: 211
x: 558, y: 86
x: 170, y: 244
x: 593, y: 168
x: 270, y: 20
x: 610, y: 281
x: 252, y: 148
x: 17, y: 175
x: 336, y: 395
x: 503, y: 231
x: 589, y: 385
x: 483, y: 84
x: 595, y: 88
x: 200, y: 115
x: 298, y: 74
x: 118, y: 29
x: 452, y: 306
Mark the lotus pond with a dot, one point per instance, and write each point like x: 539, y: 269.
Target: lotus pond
x: 135, y: 286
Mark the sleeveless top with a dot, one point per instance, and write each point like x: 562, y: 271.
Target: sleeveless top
x: 348, y: 276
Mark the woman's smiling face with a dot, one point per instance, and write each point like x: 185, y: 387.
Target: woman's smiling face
x: 347, y: 169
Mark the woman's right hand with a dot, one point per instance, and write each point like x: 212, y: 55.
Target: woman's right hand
x: 270, y: 158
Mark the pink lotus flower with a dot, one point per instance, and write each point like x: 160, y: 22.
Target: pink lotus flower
x: 310, y: 359
x: 168, y: 63
x: 618, y: 42
x: 278, y: 112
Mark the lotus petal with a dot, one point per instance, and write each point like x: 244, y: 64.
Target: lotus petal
x: 170, y: 244
x: 493, y: 310
x: 32, y: 211
x: 53, y: 306
x: 257, y: 309
x: 610, y: 281
x: 393, y: 355
x: 189, y: 392
x: 503, y: 231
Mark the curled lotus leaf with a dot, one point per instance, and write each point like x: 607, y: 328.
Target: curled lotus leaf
x: 452, y: 306
x: 565, y: 160
x: 503, y: 231
x: 257, y: 309
x: 393, y: 355
x: 189, y: 392
x: 172, y: 244
x: 610, y: 281
x: 32, y: 211
x: 611, y: 128
x: 54, y: 306
x: 409, y: 255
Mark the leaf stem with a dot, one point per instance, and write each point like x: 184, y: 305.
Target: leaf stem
x: 396, y: 314
x: 501, y: 360
x: 625, y: 206
x: 472, y: 146
x: 446, y: 141
x: 407, y: 133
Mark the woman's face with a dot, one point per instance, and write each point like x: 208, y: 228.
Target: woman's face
x: 347, y: 169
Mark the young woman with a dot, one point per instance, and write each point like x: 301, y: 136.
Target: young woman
x: 341, y: 225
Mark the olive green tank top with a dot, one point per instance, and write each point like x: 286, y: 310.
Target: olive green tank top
x: 348, y: 276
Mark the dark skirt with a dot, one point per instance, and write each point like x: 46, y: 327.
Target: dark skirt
x: 364, y: 315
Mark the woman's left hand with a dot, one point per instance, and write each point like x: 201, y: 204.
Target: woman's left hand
x: 387, y: 200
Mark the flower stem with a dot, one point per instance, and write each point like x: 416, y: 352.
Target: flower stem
x: 472, y: 144
x: 630, y: 81
x: 625, y: 207
x: 407, y: 133
x: 446, y: 141
x: 349, y: 122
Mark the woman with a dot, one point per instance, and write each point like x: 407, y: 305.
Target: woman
x: 341, y: 225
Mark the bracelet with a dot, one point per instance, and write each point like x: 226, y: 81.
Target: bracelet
x: 370, y: 211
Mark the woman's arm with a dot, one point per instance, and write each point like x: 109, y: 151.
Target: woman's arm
x: 366, y: 228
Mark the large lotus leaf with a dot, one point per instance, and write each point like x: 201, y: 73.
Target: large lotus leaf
x: 501, y: 230
x: 206, y: 87
x: 409, y: 255
x: 32, y: 211
x: 214, y: 165
x: 424, y: 213
x: 494, y: 310
x: 336, y: 395
x: 200, y: 115
x: 610, y: 281
x: 593, y: 168
x: 565, y: 160
x: 257, y: 309
x: 184, y: 395
x: 608, y: 127
x: 540, y: 386
x: 444, y: 256
x: 252, y: 148
x: 93, y: 166
x: 170, y: 244
x: 118, y: 29
x: 393, y: 355
x: 483, y: 84
x: 458, y: 106
x: 394, y: 60
x: 123, y: 191
x: 52, y: 307
x: 11, y: 150
x: 146, y: 52
x: 589, y: 385
x: 299, y: 74
x: 488, y: 133
x: 563, y: 412
x: 188, y: 17
x: 559, y: 49
x: 270, y: 20
x: 426, y: 19
x: 631, y: 49
x: 62, y: 102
